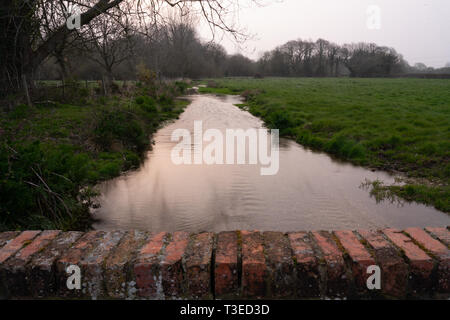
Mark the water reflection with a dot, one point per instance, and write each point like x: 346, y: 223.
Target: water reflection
x: 311, y: 191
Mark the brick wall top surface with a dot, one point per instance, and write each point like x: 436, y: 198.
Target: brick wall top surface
x: 413, y: 262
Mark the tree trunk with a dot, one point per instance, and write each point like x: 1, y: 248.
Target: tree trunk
x: 16, y: 53
x: 15, y: 46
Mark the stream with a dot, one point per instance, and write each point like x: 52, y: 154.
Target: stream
x: 311, y: 191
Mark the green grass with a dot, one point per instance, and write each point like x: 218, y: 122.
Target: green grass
x: 392, y: 124
x: 51, y: 156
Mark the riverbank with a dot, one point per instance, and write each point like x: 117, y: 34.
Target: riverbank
x: 396, y: 125
x: 52, y: 154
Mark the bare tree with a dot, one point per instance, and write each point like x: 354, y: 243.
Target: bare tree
x: 108, y: 42
x: 323, y: 58
x: 32, y: 30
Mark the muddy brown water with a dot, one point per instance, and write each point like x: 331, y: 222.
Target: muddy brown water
x: 310, y: 192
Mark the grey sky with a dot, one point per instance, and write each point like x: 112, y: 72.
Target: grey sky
x: 419, y: 29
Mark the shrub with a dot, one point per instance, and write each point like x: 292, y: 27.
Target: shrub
x: 165, y: 99
x: 147, y: 104
x: 212, y: 84
x: 250, y: 95
x: 19, y: 112
x: 145, y: 75
x: 120, y: 125
x: 110, y: 169
x: 167, y: 108
x: 341, y: 146
x: 279, y: 120
x: 181, y: 86
x: 140, y: 100
x: 43, y: 186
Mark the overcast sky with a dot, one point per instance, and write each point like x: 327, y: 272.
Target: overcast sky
x: 418, y: 29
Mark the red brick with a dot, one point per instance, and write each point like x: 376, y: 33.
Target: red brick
x: 421, y: 265
x: 441, y: 233
x: 39, y: 243
x: 337, y: 280
x: 41, y: 270
x: 146, y: 269
x: 16, y: 244
x: 394, y: 270
x: 13, y: 270
x: 307, y: 266
x: 119, y: 282
x: 437, y: 249
x: 280, y: 263
x: 178, y: 266
x: 172, y: 267
x: 361, y: 258
x: 197, y: 262
x: 74, y: 256
x: 7, y: 236
x: 254, y: 270
x: 92, y: 264
x: 226, y: 267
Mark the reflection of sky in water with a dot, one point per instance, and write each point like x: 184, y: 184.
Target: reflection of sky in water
x: 310, y: 191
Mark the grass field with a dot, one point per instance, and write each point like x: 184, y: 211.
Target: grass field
x: 400, y: 125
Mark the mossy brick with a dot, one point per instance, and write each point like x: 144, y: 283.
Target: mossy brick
x: 306, y: 265
x: 118, y: 277
x: 421, y: 265
x: 7, y: 236
x: 254, y: 269
x: 360, y: 257
x: 74, y: 256
x: 92, y: 264
x: 439, y: 251
x: 226, y: 277
x: 281, y: 269
x: 197, y: 263
x: 14, y: 269
x: 337, y: 282
x: 14, y: 245
x: 173, y: 277
x: 146, y: 269
x: 394, y: 270
x: 443, y: 234
x: 42, y: 268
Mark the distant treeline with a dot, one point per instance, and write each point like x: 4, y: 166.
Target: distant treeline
x: 326, y: 59
x: 176, y: 51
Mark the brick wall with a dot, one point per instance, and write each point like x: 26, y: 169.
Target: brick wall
x: 414, y: 263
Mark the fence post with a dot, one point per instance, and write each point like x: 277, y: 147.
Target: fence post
x: 25, y: 88
x: 63, y: 88
x: 104, y: 85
